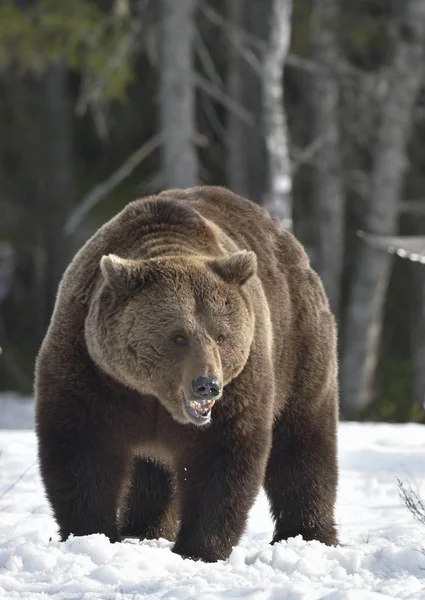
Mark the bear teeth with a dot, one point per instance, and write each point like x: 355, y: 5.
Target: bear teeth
x: 202, y: 407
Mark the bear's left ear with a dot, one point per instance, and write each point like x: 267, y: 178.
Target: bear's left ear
x: 123, y: 274
x: 237, y: 268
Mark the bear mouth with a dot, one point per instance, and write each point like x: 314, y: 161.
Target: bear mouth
x: 198, y: 411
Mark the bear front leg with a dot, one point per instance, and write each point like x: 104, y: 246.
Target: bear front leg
x: 218, y: 482
x: 302, y: 475
x: 83, y: 472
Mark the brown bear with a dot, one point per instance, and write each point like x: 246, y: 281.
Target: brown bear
x: 191, y: 358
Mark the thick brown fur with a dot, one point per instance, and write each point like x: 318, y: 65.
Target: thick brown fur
x: 189, y: 283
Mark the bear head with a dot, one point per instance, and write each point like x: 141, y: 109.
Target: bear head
x: 179, y: 328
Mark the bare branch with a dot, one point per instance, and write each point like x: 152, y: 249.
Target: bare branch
x: 99, y: 119
x: 416, y: 206
x: 152, y: 184
x: 248, y: 54
x: 21, y: 476
x: 412, y: 501
x: 211, y: 114
x: 242, y: 38
x: 405, y: 246
x: 339, y: 68
x: 209, y: 88
x: 100, y: 190
x: 207, y: 61
x: 307, y: 154
x: 91, y: 90
x: 210, y: 68
x: 230, y: 28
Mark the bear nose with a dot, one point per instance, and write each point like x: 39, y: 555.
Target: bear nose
x: 206, y: 387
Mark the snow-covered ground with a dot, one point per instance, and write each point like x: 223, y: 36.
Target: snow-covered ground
x: 382, y: 553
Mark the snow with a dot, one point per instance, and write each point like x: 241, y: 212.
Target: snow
x: 16, y: 412
x: 381, y: 553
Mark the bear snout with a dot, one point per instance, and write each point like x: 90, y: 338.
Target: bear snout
x: 204, y: 393
x: 206, y: 387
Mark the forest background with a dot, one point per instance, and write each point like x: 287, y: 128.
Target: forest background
x: 313, y: 108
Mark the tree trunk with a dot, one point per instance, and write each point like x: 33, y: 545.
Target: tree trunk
x: 371, y: 272
x: 235, y: 163
x: 40, y: 192
x: 57, y: 185
x: 246, y: 164
x: 177, y: 95
x: 327, y: 184
x: 417, y: 335
x: 279, y: 197
x: 48, y: 163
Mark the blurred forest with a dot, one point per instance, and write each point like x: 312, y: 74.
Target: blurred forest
x: 313, y: 108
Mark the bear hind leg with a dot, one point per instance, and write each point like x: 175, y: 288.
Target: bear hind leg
x: 150, y: 507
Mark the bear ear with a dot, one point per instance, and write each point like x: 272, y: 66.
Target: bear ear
x: 122, y: 273
x: 237, y: 268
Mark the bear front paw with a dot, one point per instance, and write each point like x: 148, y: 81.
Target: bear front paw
x: 199, y: 552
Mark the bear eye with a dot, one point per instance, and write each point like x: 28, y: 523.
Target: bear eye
x: 220, y: 339
x: 180, y: 340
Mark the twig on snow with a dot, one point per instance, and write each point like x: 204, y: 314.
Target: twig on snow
x: 412, y: 501
x: 21, y: 476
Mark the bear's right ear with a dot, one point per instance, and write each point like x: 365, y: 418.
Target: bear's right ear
x: 123, y: 274
x: 237, y: 268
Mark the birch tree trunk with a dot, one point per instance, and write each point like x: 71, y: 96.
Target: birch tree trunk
x: 177, y: 95
x: 370, y: 278
x: 278, y: 200
x: 327, y: 183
